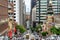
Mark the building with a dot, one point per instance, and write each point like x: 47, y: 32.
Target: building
x: 11, y: 13
x: 27, y: 15
x: 57, y: 20
x: 41, y: 9
x: 50, y: 22
x: 27, y: 20
x: 24, y: 13
x: 33, y: 3
x: 3, y: 16
x: 34, y: 16
x: 3, y: 9
x: 18, y: 11
x: 50, y: 16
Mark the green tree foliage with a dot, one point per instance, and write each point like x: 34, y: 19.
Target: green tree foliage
x: 21, y: 28
x: 55, y: 30
x: 44, y: 33
x: 32, y: 29
x: 38, y: 28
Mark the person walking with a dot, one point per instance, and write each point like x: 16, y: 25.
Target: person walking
x: 5, y: 36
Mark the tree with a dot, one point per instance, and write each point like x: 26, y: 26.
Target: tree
x: 38, y: 28
x: 44, y: 33
x: 55, y: 30
x: 32, y: 29
x: 21, y: 28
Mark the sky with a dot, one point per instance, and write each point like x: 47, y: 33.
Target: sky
x: 28, y: 5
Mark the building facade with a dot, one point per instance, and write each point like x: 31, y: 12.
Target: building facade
x: 57, y: 20
x: 41, y: 9
x: 18, y: 11
x: 3, y: 9
x: 11, y: 13
x: 3, y: 15
x: 34, y: 16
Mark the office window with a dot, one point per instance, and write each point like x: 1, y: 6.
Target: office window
x: 37, y: 18
x: 43, y: 3
x: 9, y: 8
x: 14, y: 16
x: 14, y: 20
x: 14, y: 4
x: 53, y: 0
x: 9, y: 13
x: 14, y: 13
x: 14, y: 1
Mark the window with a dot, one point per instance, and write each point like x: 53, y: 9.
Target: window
x: 43, y: 2
x: 14, y: 1
x: 43, y: 11
x: 14, y: 20
x: 53, y: 0
x: 9, y: 13
x: 9, y: 8
x: 37, y: 9
x: 37, y: 18
x: 14, y: 13
x: 14, y: 4
x: 14, y: 16
x: 37, y: 13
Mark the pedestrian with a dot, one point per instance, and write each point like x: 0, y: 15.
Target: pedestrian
x: 5, y: 36
x: 40, y: 37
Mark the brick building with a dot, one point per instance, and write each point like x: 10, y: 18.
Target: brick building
x: 3, y: 9
x: 3, y: 15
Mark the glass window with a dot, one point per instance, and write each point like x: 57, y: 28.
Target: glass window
x: 37, y: 13
x: 14, y: 4
x: 43, y: 2
x: 9, y: 13
x: 53, y: 0
x: 43, y: 11
x: 9, y: 8
x: 37, y: 9
x: 14, y: 16
x: 14, y: 13
x: 37, y: 18
x: 37, y: 2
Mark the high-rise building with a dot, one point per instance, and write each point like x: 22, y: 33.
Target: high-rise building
x: 58, y: 6
x: 18, y: 10
x: 50, y: 22
x: 3, y: 16
x: 34, y: 16
x: 41, y: 9
x: 33, y: 3
x: 11, y: 10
